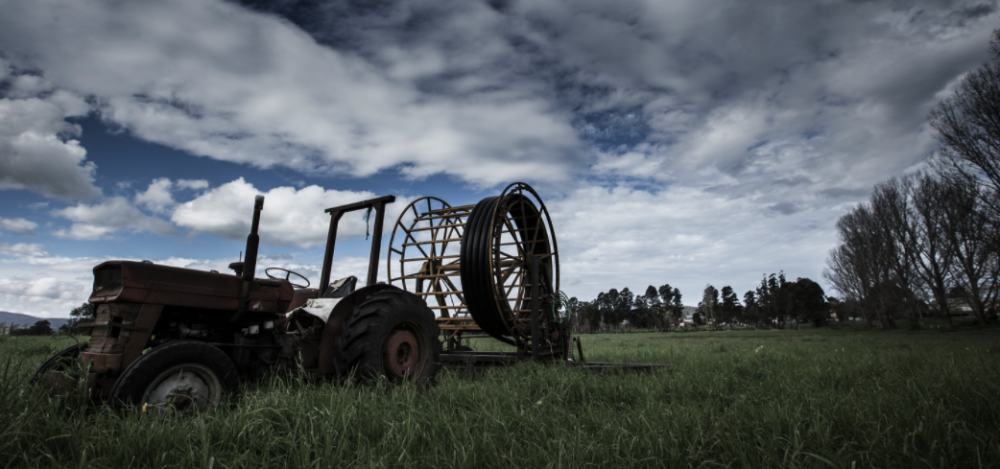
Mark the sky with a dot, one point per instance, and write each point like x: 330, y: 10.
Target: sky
x: 683, y: 142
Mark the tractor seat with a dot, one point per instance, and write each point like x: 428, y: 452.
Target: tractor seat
x: 341, y: 288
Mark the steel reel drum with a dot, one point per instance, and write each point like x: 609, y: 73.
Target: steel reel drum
x: 471, y: 263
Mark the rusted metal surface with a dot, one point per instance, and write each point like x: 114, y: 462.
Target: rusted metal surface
x: 401, y: 353
x: 112, y: 327
x: 423, y: 258
x: 103, y: 363
x: 120, y: 332
x: 146, y: 283
x: 139, y: 337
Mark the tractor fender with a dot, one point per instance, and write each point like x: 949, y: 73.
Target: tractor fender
x: 335, y: 324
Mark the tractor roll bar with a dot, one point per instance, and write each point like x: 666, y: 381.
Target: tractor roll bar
x: 331, y: 238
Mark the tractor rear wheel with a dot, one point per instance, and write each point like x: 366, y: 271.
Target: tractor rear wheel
x: 391, y: 335
x: 184, y: 377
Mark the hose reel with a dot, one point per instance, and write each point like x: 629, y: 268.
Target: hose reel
x: 470, y: 263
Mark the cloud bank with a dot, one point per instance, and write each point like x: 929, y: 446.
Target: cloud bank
x: 688, y: 141
x: 37, y: 149
x: 214, y: 79
x: 290, y: 216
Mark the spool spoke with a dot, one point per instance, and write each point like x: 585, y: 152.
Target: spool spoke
x: 434, y: 232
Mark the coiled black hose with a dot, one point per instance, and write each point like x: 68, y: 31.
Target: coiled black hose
x: 485, y: 299
x: 477, y: 282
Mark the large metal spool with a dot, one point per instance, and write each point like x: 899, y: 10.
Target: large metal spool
x: 471, y: 263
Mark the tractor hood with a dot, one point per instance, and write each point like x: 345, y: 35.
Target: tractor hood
x: 147, y: 283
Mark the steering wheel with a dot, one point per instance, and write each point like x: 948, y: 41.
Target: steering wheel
x: 288, y: 273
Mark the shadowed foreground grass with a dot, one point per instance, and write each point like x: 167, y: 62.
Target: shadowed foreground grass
x: 806, y: 398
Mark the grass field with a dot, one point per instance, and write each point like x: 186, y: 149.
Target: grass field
x: 804, y: 398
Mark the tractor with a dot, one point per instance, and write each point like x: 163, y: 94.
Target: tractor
x: 169, y: 339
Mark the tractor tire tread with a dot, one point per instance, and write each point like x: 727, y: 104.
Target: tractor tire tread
x: 357, y: 350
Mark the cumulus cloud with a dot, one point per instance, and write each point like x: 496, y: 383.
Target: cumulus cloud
x: 290, y: 216
x: 689, y: 92
x: 157, y: 197
x: 756, y: 94
x: 192, y: 184
x: 18, y: 226
x: 695, y: 137
x: 627, y: 237
x: 22, y: 249
x: 37, y: 283
x: 239, y: 86
x: 45, y: 288
x: 37, y: 152
x: 100, y: 220
x: 493, y: 92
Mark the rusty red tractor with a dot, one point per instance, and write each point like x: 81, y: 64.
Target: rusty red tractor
x: 172, y: 339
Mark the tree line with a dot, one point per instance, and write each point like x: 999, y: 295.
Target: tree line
x: 928, y: 243
x: 655, y: 309
x: 773, y: 303
x: 42, y: 327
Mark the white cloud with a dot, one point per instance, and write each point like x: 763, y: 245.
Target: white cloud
x: 18, y: 226
x: 22, y: 249
x: 619, y: 237
x: 34, y: 282
x: 100, y: 220
x: 157, y: 197
x: 215, y: 79
x: 192, y: 184
x: 754, y: 122
x: 44, y: 288
x: 290, y: 216
x: 84, y: 231
x: 36, y: 153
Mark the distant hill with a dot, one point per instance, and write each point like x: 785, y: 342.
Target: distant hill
x: 24, y: 320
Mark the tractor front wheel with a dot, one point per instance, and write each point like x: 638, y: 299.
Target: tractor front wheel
x: 391, y: 335
x: 62, y: 369
x: 184, y: 377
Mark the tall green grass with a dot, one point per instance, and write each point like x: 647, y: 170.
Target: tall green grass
x: 803, y: 398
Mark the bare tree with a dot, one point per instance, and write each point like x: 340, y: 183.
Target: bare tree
x: 860, y: 267
x: 968, y: 127
x: 935, y: 254
x: 973, y: 234
x: 846, y: 272
x: 893, y: 216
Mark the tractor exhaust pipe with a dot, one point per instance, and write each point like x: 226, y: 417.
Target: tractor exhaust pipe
x: 253, y: 241
x: 250, y: 264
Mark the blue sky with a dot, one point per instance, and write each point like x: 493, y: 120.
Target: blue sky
x: 682, y: 142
